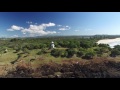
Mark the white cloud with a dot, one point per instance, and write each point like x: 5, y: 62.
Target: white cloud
x: 29, y: 22
x: 63, y: 28
x: 77, y: 30
x: 59, y: 25
x: 24, y: 33
x: 14, y: 27
x: 48, y: 25
x: 88, y: 29
x: 35, y: 29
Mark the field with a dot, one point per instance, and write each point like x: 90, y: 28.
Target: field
x: 35, y: 55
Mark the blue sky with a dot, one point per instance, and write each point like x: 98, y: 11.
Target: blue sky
x: 25, y: 24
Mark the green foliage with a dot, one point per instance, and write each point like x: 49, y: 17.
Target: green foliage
x: 103, y: 45
x: 114, y: 53
x: 72, y: 45
x: 64, y: 53
x: 71, y: 52
x: 39, y: 53
x: 101, y: 50
x: 89, y: 55
x: 17, y: 49
x: 117, y: 47
x: 25, y: 50
x: 86, y: 44
x: 42, y: 51
x: 56, y: 52
x: 80, y: 53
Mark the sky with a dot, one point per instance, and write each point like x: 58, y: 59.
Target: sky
x: 31, y: 24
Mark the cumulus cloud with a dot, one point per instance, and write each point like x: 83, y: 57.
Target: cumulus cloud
x: 48, y: 25
x: 63, y: 28
x: 39, y: 29
x: 35, y: 29
x: 14, y: 27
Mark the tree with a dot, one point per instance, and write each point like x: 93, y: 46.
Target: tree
x: 64, y: 53
x: 117, y: 47
x: 71, y: 52
x: 89, y: 54
x: 101, y: 50
x: 85, y: 44
x: 17, y: 49
x: 39, y: 53
x: 43, y: 50
x: 25, y: 50
x: 72, y: 45
x: 114, y: 53
x: 43, y: 46
x: 56, y: 52
x: 104, y: 45
x: 80, y: 53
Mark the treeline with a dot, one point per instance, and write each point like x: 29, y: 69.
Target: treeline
x: 38, y: 43
x: 84, y: 51
x: 65, y: 47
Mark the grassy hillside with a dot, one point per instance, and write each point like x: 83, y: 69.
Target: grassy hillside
x: 72, y: 57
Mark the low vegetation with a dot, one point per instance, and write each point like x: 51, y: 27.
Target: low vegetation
x: 99, y: 68
x: 33, y: 57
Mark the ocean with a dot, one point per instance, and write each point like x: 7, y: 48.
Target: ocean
x: 111, y: 42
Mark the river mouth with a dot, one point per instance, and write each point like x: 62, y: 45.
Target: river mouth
x: 110, y: 42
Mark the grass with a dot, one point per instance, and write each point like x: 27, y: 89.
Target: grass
x: 35, y: 59
x: 8, y: 57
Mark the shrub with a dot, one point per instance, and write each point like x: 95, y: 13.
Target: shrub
x: 80, y: 53
x: 114, y: 53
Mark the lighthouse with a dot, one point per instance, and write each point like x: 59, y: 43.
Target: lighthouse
x: 52, y: 45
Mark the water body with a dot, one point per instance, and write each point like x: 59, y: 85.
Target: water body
x: 111, y: 42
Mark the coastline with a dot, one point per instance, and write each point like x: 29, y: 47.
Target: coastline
x: 108, y: 41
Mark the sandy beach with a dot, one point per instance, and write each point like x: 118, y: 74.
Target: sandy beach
x: 108, y: 41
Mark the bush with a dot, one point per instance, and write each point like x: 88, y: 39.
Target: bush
x: 56, y: 52
x: 114, y: 53
x: 89, y: 55
x: 39, y: 53
x: 80, y: 53
x: 71, y: 52
x: 64, y: 53
x: 25, y: 50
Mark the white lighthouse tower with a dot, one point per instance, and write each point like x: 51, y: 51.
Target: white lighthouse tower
x: 52, y: 45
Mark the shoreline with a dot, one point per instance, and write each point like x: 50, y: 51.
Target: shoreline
x: 108, y: 41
